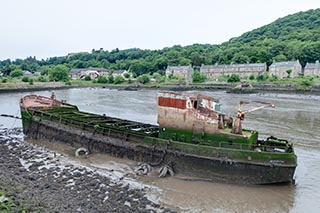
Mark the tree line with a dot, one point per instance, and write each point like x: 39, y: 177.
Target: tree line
x: 293, y: 37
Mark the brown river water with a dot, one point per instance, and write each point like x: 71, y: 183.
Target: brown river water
x: 296, y: 118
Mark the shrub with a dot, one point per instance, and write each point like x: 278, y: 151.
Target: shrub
x: 234, y: 78
x: 25, y: 79
x: 157, y: 77
x: 31, y: 81
x: 145, y: 78
x: 262, y: 77
x: 110, y: 79
x: 118, y: 79
x: 289, y: 71
x: 4, y: 80
x: 163, y: 79
x: 126, y: 75
x: 172, y: 77
x: 197, y: 77
x: 273, y: 78
x: 251, y: 77
x: 223, y: 78
x: 102, y: 80
x: 16, y: 73
x: 305, y: 83
x: 42, y: 79
x: 87, y: 78
x: 44, y: 72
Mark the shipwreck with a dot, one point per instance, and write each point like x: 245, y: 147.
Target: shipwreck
x: 193, y: 138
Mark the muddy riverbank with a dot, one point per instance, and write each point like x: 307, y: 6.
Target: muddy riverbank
x: 41, y: 180
x: 229, y: 87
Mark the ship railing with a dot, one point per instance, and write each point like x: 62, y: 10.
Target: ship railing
x: 110, y: 131
x: 255, y: 147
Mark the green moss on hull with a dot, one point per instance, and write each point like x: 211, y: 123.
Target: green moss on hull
x: 244, y: 154
x: 207, y: 139
x: 26, y: 119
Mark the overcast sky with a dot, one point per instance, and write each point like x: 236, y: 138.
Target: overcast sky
x: 45, y: 28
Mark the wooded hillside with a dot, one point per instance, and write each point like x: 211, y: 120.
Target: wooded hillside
x: 293, y: 37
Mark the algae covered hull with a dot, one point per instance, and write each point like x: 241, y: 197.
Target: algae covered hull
x: 219, y: 155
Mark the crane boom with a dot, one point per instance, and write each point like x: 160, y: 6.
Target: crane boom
x: 237, y: 127
x: 258, y: 108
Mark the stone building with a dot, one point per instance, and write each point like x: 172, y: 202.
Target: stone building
x: 120, y: 72
x: 243, y: 70
x: 312, y: 69
x: 280, y: 69
x: 27, y: 72
x: 93, y: 72
x: 180, y: 71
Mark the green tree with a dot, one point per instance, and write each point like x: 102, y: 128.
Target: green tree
x: 59, y: 73
x: 31, y: 81
x: 234, y: 78
x: 239, y: 58
x: 289, y: 71
x: 16, y: 73
x: 102, y: 80
x: 145, y: 78
x: 273, y: 78
x: 25, y: 79
x: 263, y: 77
x: 118, y: 79
x: 197, y: 77
x: 127, y: 75
x: 42, y: 79
x: 87, y: 78
x: 251, y: 77
x: 157, y: 77
x: 110, y: 79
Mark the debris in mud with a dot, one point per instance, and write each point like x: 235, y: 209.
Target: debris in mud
x: 40, y: 180
x: 143, y: 169
x: 166, y: 170
x: 81, y: 152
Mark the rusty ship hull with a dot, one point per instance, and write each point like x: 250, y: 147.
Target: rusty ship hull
x: 219, y: 161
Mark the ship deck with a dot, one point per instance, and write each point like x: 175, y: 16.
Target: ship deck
x: 99, y: 123
x: 36, y: 101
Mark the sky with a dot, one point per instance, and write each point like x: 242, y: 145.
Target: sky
x: 48, y: 28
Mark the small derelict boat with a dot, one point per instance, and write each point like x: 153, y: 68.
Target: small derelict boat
x: 193, y: 138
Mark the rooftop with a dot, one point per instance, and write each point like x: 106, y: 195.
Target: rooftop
x: 284, y: 63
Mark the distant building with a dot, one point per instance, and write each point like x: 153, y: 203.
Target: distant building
x: 180, y: 71
x: 92, y: 72
x: 280, y: 69
x: 119, y: 72
x: 37, y: 73
x: 312, y: 69
x: 26, y: 72
x: 243, y: 70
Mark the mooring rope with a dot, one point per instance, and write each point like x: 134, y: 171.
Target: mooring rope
x: 10, y: 116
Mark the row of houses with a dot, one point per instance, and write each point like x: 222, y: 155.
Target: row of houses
x: 312, y: 69
x: 94, y: 73
x: 278, y: 69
